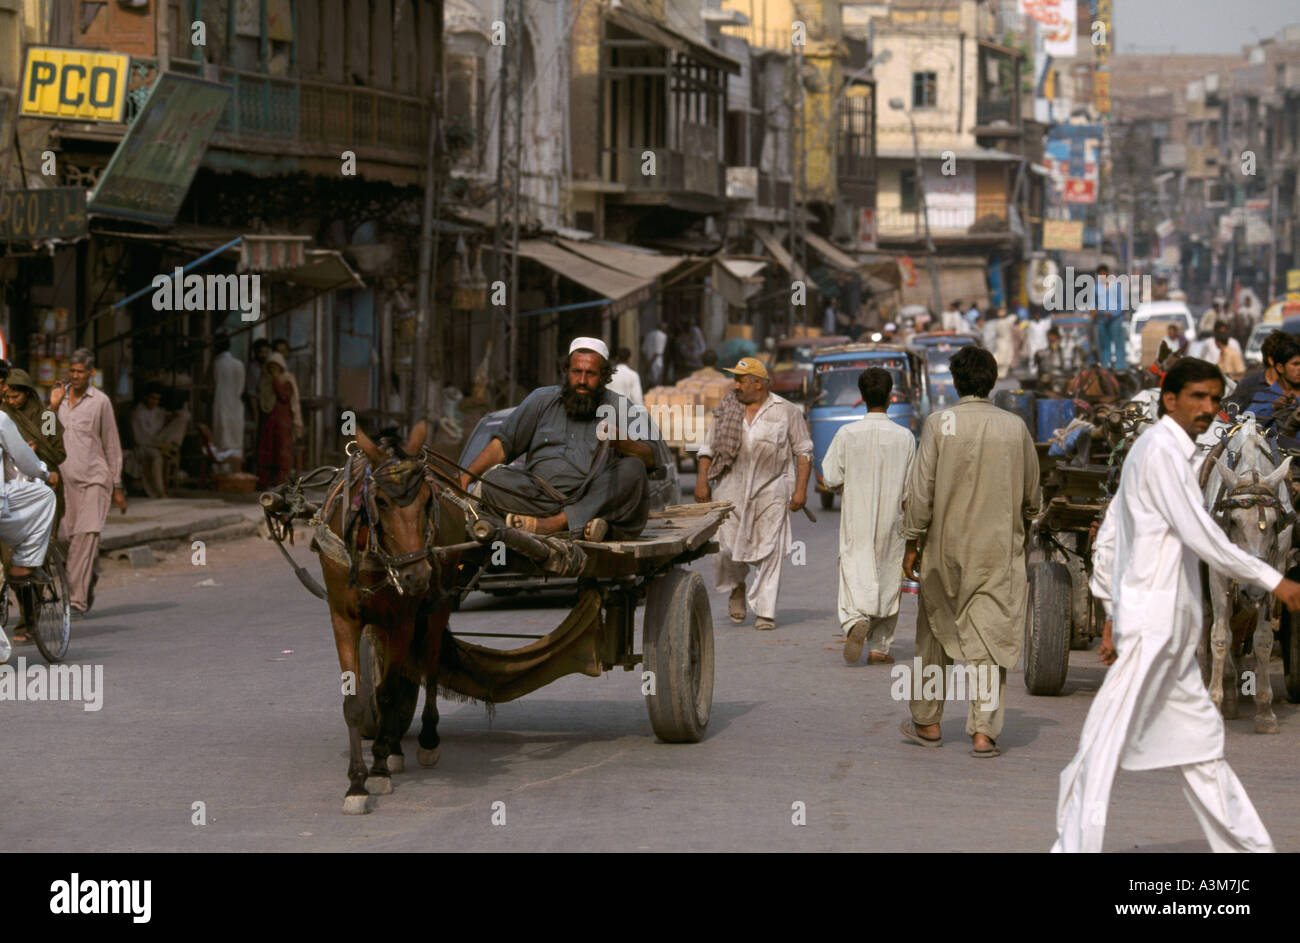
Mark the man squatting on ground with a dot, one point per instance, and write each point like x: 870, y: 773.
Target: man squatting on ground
x: 1153, y: 710
x: 747, y: 459
x: 973, y: 487
x: 870, y: 460
x: 583, y: 474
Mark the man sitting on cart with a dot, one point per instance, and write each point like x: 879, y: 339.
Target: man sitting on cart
x: 585, y: 471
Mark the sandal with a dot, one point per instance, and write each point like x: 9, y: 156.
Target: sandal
x: 908, y: 729
x: 522, y: 522
x: 22, y: 635
x: 596, y: 529
x: 986, y: 754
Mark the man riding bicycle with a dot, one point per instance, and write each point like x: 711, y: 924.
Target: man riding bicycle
x: 26, y: 507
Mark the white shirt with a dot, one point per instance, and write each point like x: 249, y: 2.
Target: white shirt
x: 627, y: 382
x: 17, y: 451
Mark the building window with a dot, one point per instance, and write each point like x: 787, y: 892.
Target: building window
x: 924, y: 89
x: 855, y: 137
x: 907, y: 198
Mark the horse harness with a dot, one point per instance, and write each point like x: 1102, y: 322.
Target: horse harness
x: 400, y: 480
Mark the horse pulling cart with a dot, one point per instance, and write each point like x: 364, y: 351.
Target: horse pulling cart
x: 613, y: 579
x: 401, y: 543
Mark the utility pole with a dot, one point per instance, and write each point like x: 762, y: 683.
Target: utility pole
x: 505, y: 243
x: 1272, y: 252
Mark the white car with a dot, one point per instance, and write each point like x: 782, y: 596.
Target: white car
x: 1172, y: 311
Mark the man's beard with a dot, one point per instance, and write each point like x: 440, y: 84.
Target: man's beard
x: 581, y: 407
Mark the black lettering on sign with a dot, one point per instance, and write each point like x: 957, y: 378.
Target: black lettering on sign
x: 108, y: 98
x: 63, y: 85
x: 43, y: 73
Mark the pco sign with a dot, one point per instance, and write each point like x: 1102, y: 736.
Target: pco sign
x: 74, y: 84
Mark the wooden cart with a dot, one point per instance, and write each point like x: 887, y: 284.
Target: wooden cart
x: 598, y: 634
x: 1062, y: 613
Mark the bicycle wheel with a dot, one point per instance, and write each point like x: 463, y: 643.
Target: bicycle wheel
x: 53, y: 625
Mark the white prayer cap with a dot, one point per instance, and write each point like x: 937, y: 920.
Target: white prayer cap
x: 593, y: 344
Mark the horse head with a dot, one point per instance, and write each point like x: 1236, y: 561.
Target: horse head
x: 404, y: 506
x: 1250, y: 508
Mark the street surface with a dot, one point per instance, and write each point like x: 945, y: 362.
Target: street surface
x: 228, y: 695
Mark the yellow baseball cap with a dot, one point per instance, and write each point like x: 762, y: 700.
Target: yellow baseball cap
x: 749, y: 366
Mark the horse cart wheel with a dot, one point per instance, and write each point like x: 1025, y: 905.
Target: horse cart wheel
x: 678, y: 643
x: 371, y: 665
x: 1047, y: 628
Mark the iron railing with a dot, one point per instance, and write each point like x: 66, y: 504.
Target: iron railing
x: 674, y: 171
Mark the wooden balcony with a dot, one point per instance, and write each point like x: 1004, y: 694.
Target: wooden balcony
x: 677, y: 175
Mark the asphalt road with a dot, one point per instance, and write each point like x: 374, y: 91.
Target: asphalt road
x: 227, y: 695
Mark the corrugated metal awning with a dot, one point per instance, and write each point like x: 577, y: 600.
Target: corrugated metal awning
x: 778, y: 252
x: 641, y: 263
x: 622, y: 289
x: 831, y: 254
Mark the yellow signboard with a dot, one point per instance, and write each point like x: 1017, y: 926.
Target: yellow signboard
x: 74, y: 84
x: 1062, y: 234
x: 1293, y: 279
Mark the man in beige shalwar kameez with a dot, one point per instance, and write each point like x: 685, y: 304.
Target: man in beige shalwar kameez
x: 92, y: 475
x: 766, y: 478
x: 974, y: 485
x: 871, y: 460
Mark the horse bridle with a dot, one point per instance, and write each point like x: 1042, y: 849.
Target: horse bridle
x: 400, y: 479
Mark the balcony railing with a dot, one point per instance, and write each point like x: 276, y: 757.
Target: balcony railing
x: 305, y: 116
x: 674, y: 172
x: 989, y: 110
x: 943, y: 220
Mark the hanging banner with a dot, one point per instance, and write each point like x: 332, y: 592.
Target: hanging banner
x: 1057, y: 19
x: 154, y: 165
x: 1062, y: 234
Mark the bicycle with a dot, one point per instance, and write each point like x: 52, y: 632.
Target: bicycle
x: 46, y: 607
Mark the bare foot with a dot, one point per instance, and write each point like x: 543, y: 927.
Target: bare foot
x: 553, y: 524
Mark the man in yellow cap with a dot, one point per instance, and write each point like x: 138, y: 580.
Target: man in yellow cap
x: 758, y: 456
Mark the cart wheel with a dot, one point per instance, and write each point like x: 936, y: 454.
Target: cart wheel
x: 371, y: 666
x: 828, y: 500
x: 678, y: 643
x: 1047, y: 628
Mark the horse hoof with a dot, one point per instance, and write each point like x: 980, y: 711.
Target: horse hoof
x: 1266, y: 725
x: 355, y: 805
x: 379, y: 785
x: 396, y: 763
x: 428, y: 757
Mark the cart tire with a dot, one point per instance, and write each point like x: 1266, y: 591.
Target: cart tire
x: 828, y: 500
x: 1047, y: 628
x: 371, y: 669
x: 678, y: 643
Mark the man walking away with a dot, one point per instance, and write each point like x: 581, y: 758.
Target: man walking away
x: 973, y: 487
x: 751, y: 452
x: 626, y: 382
x: 870, y: 459
x: 1110, y: 321
x: 1153, y: 710
x: 227, y: 412
x: 653, y: 346
x: 92, y: 475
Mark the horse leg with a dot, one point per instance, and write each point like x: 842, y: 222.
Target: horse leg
x: 347, y: 637
x: 1219, y: 634
x: 1231, y: 681
x: 1265, y: 719
x: 379, y: 782
x: 404, y: 691
x: 436, y: 625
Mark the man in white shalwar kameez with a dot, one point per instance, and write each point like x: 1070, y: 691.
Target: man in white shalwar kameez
x: 1153, y: 710
x: 227, y: 409
x: 765, y: 479
x: 870, y: 459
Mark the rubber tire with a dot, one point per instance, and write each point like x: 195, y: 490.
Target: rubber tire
x: 677, y: 639
x: 370, y: 669
x: 60, y: 609
x: 828, y: 499
x: 1047, y: 629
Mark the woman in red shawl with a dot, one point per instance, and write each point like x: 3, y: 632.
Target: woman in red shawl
x: 277, y: 396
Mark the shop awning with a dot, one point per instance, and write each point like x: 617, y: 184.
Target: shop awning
x: 622, y: 289
x: 640, y: 263
x: 737, y: 280
x: 661, y: 35
x: 323, y: 269
x: 835, y: 257
x: 778, y: 252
